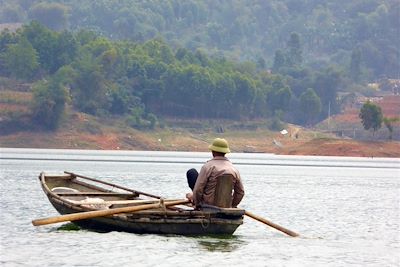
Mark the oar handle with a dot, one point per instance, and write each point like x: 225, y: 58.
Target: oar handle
x: 101, y: 213
x: 273, y: 225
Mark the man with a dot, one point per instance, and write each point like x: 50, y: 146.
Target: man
x: 204, y: 184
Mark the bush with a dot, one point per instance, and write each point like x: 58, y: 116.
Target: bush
x: 49, y: 99
x: 275, y: 124
x: 153, y: 120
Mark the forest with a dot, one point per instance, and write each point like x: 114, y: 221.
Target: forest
x: 280, y: 60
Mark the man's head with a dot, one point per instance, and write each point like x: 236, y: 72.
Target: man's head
x: 219, y: 147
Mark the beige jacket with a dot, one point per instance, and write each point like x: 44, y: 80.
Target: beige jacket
x: 206, y: 183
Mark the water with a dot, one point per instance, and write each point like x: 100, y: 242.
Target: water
x: 346, y: 209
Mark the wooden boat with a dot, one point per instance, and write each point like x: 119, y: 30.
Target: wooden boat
x: 73, y: 193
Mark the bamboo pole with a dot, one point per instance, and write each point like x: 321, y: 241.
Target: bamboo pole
x: 102, y: 213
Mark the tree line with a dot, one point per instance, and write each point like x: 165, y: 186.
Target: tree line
x: 147, y: 80
x: 332, y: 32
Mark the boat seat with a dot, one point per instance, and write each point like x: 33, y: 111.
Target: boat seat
x: 93, y: 203
x: 62, y: 189
x: 68, y: 191
x: 223, y: 191
x: 105, y: 194
x: 122, y: 202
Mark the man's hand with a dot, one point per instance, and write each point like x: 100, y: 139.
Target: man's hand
x: 189, y: 196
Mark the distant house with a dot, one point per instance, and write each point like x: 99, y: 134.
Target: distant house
x: 349, y: 100
x: 374, y: 86
x: 390, y: 85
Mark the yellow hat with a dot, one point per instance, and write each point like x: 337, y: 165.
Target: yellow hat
x: 219, y: 145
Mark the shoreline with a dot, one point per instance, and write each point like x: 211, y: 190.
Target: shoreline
x: 186, y: 143
x: 85, y: 132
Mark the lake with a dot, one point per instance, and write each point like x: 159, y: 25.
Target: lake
x: 347, y: 211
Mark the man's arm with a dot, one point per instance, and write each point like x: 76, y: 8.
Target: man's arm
x: 198, y: 189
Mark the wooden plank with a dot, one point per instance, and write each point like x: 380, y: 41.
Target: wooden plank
x: 66, y: 177
x: 159, y: 212
x: 118, y: 202
x: 107, y: 194
x: 114, y: 185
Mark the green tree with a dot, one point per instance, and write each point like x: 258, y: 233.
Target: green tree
x: 371, y: 116
x: 355, y: 65
x: 21, y: 59
x: 119, y: 101
x: 389, y: 125
x: 280, y: 99
x: 181, y: 53
x: 152, y: 119
x: 45, y: 43
x: 310, y: 105
x: 157, y: 49
x: 84, y: 36
x: 49, y: 100
x: 222, y: 96
x: 89, y: 90
x: 244, y: 95
x: 326, y: 86
x: 295, y: 50
x: 279, y: 61
x: 261, y: 64
x: 6, y: 38
x: 66, y: 50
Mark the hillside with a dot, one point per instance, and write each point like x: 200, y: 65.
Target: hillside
x: 172, y: 75
x: 242, y: 30
x: 348, y: 124
x: 82, y: 131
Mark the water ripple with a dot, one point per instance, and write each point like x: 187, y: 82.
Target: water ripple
x: 346, y: 216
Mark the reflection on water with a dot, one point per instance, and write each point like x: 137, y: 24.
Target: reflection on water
x: 221, y: 244
x: 69, y: 227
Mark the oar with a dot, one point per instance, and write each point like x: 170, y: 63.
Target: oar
x: 101, y: 213
x: 113, y: 185
x: 273, y: 225
x: 260, y: 219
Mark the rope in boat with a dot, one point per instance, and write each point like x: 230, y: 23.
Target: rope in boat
x: 163, y: 207
x: 206, y: 216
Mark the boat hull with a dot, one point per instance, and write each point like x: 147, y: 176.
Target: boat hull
x: 159, y: 225
x: 71, y: 193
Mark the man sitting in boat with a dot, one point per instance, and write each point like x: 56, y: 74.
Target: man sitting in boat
x: 216, y: 180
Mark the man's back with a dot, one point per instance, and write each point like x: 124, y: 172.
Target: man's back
x: 204, y: 190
